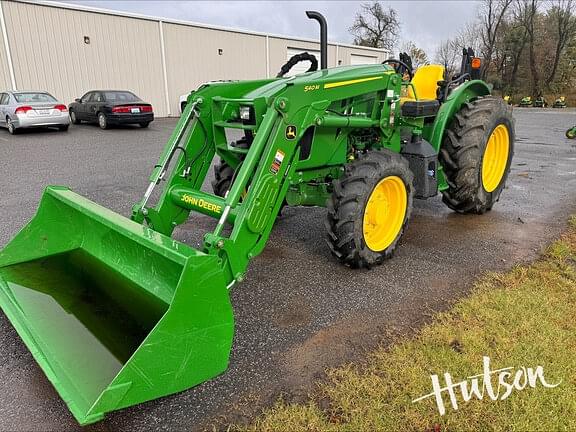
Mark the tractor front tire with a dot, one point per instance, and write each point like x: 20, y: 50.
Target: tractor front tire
x: 223, y: 174
x: 476, y: 154
x: 369, y: 208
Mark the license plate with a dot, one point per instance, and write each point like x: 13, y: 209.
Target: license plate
x: 43, y: 112
x: 135, y: 110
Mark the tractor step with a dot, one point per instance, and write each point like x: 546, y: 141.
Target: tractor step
x: 234, y: 125
x: 420, y: 108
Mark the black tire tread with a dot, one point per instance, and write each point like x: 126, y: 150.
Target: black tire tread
x: 106, y: 125
x: 76, y: 121
x: 346, y: 207
x: 462, y: 150
x: 223, y: 174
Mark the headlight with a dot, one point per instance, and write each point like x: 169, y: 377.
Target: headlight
x: 245, y: 113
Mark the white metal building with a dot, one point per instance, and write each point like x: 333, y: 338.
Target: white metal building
x: 68, y: 50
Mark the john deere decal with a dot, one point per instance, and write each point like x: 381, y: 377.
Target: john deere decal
x: 290, y: 132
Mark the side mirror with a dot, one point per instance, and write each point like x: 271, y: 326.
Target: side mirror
x: 78, y: 100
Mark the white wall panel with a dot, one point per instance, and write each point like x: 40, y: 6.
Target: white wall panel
x: 192, y: 57
x: 49, y: 52
x: 5, y: 82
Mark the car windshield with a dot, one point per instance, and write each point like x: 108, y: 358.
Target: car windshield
x: 34, y: 97
x: 123, y: 96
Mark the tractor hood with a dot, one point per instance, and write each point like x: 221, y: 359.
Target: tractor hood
x: 333, y: 77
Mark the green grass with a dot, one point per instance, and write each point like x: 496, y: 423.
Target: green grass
x: 525, y: 317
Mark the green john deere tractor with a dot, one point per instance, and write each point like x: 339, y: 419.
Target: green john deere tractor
x: 540, y: 102
x: 117, y: 312
x: 526, y: 101
x: 560, y: 102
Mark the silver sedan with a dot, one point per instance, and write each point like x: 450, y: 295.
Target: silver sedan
x: 27, y: 109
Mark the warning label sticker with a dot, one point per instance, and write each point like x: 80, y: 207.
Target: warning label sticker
x: 277, y: 163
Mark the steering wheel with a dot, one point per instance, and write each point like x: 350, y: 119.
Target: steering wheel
x: 399, y: 65
x: 297, y: 59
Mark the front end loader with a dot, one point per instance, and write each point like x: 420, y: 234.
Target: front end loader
x: 117, y: 312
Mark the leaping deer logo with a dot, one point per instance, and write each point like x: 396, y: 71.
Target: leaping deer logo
x: 290, y: 132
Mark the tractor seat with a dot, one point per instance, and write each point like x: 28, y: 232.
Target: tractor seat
x: 425, y: 82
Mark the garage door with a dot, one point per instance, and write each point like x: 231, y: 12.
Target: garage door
x: 357, y: 59
x: 302, y: 66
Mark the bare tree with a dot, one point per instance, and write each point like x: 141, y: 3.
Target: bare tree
x: 492, y: 15
x: 449, y: 52
x: 515, y: 41
x: 418, y: 55
x: 562, y: 15
x: 469, y: 36
x: 527, y: 11
x: 447, y: 55
x: 376, y: 27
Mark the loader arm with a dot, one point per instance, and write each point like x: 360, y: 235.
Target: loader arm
x: 284, y: 110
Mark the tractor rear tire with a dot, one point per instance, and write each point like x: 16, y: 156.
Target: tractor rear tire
x: 474, y: 175
x: 223, y: 174
x: 369, y: 208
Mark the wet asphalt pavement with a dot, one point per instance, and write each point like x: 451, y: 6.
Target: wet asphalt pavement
x: 299, y: 311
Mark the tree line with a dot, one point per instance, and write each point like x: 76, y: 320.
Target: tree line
x: 527, y: 47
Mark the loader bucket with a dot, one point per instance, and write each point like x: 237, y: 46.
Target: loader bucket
x: 113, y: 312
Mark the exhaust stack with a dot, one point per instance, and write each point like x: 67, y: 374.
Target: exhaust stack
x: 323, y: 37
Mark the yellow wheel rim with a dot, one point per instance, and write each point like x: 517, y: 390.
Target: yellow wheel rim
x: 495, y: 158
x: 384, y: 213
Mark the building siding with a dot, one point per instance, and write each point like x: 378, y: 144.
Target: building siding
x: 4, y: 70
x: 125, y: 52
x: 192, y: 57
x: 49, y: 52
x: 345, y: 53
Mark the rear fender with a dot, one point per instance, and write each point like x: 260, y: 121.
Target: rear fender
x: 464, y: 93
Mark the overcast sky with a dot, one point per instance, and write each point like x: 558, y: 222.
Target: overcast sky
x: 424, y: 22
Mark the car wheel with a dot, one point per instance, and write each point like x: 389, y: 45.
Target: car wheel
x: 102, y: 121
x: 144, y: 124
x: 10, y: 126
x: 63, y: 128
x: 73, y: 118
